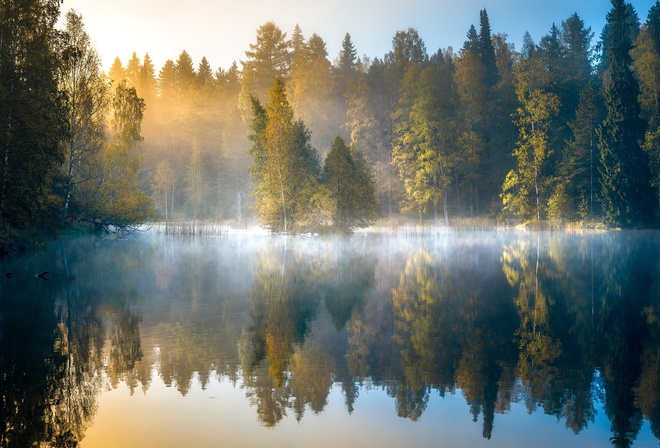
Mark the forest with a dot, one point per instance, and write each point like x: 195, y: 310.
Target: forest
x: 565, y: 131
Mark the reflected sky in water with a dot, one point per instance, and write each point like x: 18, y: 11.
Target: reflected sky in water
x: 461, y: 339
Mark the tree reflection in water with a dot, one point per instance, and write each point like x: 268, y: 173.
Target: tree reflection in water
x: 560, y: 323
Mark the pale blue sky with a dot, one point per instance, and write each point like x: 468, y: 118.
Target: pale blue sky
x: 222, y: 30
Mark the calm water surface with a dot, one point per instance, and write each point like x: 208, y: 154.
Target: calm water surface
x: 499, y: 339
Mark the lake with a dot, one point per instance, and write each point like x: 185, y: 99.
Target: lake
x: 378, y: 339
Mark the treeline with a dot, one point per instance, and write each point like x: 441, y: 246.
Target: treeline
x: 69, y: 139
x: 566, y: 129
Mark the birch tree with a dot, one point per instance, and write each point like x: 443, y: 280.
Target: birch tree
x: 86, y: 94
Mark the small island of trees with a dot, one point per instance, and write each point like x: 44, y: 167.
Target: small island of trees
x: 565, y: 131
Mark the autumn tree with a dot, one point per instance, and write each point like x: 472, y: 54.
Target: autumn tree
x: 425, y: 144
x: 86, y: 93
x: 285, y: 167
x: 525, y: 188
x: 115, y: 200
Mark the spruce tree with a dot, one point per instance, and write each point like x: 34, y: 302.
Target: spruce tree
x: 626, y: 195
x: 285, y: 166
x: 351, y: 187
x: 472, y: 42
x: 653, y: 24
x: 31, y: 117
x: 487, y: 51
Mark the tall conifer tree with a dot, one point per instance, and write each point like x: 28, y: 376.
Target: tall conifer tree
x: 626, y: 194
x: 487, y: 51
x: 30, y: 118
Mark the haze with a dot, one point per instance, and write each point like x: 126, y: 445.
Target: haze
x: 222, y: 31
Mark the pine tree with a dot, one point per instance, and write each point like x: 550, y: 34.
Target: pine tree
x: 626, y: 194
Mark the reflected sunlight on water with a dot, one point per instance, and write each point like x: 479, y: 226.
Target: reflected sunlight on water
x: 467, y: 339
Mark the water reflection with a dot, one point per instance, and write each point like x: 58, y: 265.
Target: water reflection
x: 562, y: 324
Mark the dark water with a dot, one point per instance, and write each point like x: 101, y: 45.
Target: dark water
x: 468, y: 339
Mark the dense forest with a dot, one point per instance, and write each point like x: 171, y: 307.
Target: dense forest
x: 565, y: 130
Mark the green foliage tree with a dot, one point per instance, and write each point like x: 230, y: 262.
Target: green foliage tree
x: 31, y: 122
x: 407, y: 47
x: 525, y: 187
x: 469, y: 81
x: 486, y: 49
x: 472, y: 42
x: 626, y: 194
x: 581, y: 160
x: 285, y: 166
x: 425, y: 144
x: 266, y: 60
x: 351, y: 187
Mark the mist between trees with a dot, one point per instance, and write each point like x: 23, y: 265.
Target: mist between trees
x: 563, y: 130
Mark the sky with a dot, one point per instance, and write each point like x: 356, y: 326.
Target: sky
x: 223, y: 30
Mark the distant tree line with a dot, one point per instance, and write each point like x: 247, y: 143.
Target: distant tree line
x: 564, y: 130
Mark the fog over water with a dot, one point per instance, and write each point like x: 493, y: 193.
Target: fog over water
x: 505, y: 338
